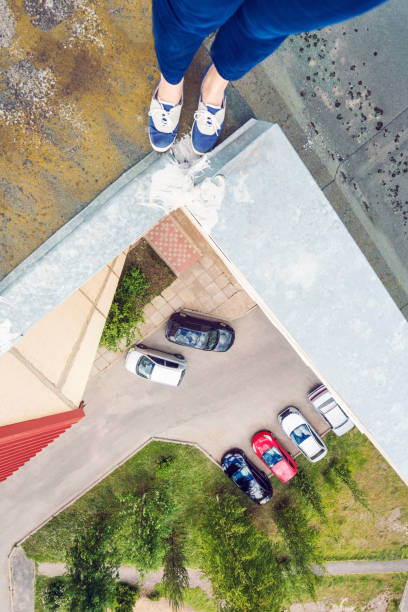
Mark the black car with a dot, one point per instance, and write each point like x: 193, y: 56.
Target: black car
x: 246, y: 476
x: 200, y: 333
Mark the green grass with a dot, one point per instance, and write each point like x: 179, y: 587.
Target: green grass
x: 188, y: 477
x: 39, y: 586
x: 353, y: 591
x: 351, y: 532
x: 357, y: 591
x: 199, y: 601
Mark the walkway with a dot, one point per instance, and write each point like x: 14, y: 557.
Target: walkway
x: 333, y: 568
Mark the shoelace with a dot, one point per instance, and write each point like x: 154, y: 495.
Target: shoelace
x: 208, y: 118
x: 162, y: 119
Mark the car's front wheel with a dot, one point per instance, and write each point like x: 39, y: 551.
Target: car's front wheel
x: 142, y: 346
x: 178, y: 356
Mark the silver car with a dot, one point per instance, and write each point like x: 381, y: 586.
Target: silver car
x: 302, y: 434
x: 328, y: 408
x: 156, y: 365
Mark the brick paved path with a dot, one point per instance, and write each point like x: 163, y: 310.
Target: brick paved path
x: 173, y: 245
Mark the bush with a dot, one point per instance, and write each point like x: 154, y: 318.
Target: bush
x: 53, y: 596
x: 154, y: 595
x: 126, y: 596
x: 145, y: 522
x: 126, y: 312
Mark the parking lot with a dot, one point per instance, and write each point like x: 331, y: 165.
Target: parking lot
x: 224, y: 397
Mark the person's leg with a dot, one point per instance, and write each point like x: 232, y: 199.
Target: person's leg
x: 250, y: 35
x: 179, y: 27
x: 258, y: 28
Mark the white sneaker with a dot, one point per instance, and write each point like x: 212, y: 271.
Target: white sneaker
x: 208, y: 122
x: 163, y: 123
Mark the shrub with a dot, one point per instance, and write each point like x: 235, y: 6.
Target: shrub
x: 126, y: 596
x: 154, y: 595
x: 126, y: 312
x: 54, y: 595
x: 145, y: 522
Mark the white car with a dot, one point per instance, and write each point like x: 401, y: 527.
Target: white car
x: 330, y: 410
x: 155, y: 365
x: 302, y: 434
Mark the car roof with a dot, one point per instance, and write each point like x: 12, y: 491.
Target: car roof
x: 310, y: 446
x: 166, y: 375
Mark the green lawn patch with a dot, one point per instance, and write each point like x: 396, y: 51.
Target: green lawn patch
x: 183, y: 471
x: 358, y: 591
x: 188, y: 478
x: 352, y: 531
x: 144, y: 276
x: 199, y: 601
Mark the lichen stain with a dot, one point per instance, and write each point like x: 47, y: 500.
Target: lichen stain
x: 63, y: 144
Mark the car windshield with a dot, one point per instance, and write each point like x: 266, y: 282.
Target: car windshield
x: 246, y: 481
x: 212, y: 340
x: 300, y: 434
x: 242, y: 473
x: 272, y: 456
x: 188, y: 337
x: 145, y: 367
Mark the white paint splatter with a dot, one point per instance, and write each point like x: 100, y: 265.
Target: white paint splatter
x: 240, y: 189
x: 173, y: 186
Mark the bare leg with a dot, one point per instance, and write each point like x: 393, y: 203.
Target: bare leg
x: 170, y: 93
x: 213, y: 87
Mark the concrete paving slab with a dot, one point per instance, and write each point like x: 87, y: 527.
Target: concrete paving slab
x: 22, y: 576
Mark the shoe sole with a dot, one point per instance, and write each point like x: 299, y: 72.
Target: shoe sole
x: 160, y: 149
x: 192, y: 146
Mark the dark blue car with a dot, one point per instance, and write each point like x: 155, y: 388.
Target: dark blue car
x: 200, y: 333
x: 246, y: 476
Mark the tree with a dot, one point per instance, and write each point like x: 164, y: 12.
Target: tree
x: 175, y: 576
x: 302, y: 542
x: 305, y: 483
x: 145, y: 522
x: 92, y: 567
x: 238, y: 559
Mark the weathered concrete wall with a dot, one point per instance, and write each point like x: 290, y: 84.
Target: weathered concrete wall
x: 76, y: 76
x: 47, y: 370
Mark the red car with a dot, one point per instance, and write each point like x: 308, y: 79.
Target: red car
x: 274, y: 456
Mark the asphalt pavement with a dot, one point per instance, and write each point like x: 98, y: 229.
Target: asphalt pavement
x: 123, y: 412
